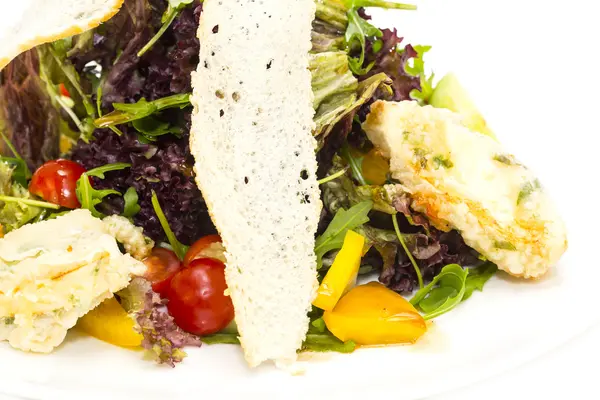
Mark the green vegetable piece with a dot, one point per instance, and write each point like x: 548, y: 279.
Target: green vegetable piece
x: 444, y: 293
x: 151, y: 127
x: 326, y: 342
x: 356, y: 36
x: 125, y: 113
x: 378, y: 3
x: 100, y: 171
x: 355, y: 164
x: 344, y: 220
x: 131, y: 207
x: 478, y: 277
x: 175, y: 7
x: 451, y: 95
x: 16, y: 204
x: 407, y: 251
x: 90, y: 197
x: 318, y: 325
x: 179, y: 248
x: 221, y: 338
x: 418, y: 69
x: 527, y: 190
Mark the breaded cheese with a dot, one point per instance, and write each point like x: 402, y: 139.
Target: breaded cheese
x: 48, y: 20
x: 466, y: 181
x: 52, y: 273
x: 256, y: 167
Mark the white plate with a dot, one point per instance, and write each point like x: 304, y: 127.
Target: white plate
x: 535, y: 87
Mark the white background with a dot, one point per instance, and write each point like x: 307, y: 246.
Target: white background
x: 549, y: 53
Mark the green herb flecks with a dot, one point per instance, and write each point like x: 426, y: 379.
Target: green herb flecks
x: 131, y: 208
x: 440, y: 161
x: 125, y: 113
x: 90, y: 197
x: 179, y: 248
x: 173, y: 10
x: 478, y: 277
x: 527, y: 189
x: 444, y: 293
x: 408, y: 253
x: 344, y: 220
x: 506, y: 159
x: 504, y: 245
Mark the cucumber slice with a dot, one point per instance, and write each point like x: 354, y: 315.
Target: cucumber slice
x: 451, y: 95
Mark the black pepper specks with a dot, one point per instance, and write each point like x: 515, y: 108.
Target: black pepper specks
x: 215, y: 29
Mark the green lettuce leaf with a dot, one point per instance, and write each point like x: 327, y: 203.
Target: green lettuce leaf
x: 13, y: 215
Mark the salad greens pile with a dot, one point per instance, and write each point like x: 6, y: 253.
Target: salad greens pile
x: 117, y: 100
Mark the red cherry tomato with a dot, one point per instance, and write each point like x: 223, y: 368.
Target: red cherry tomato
x: 207, y: 247
x: 162, y: 265
x: 56, y: 181
x: 197, y: 300
x: 63, y: 90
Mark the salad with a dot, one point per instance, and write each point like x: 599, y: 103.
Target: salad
x: 100, y: 122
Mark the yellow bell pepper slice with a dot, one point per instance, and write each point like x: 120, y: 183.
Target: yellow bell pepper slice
x: 375, y: 168
x: 109, y: 322
x: 342, y: 274
x: 372, y: 314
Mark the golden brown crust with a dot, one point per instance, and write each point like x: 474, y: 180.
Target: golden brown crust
x: 74, y: 30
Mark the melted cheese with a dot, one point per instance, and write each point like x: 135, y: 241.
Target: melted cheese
x: 52, y: 273
x: 466, y: 181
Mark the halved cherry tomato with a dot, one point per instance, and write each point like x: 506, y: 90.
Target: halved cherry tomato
x: 56, y: 181
x: 63, y: 90
x: 162, y: 265
x: 207, y: 247
x: 197, y: 299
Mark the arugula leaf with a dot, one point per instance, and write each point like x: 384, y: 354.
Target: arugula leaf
x: 125, y: 113
x: 359, y: 30
x: 478, y: 277
x: 179, y: 248
x: 151, y: 127
x: 100, y: 171
x: 355, y: 164
x: 444, y: 293
x: 344, y: 220
x: 175, y: 7
x: 131, y: 207
x: 356, y: 36
x: 90, y: 197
